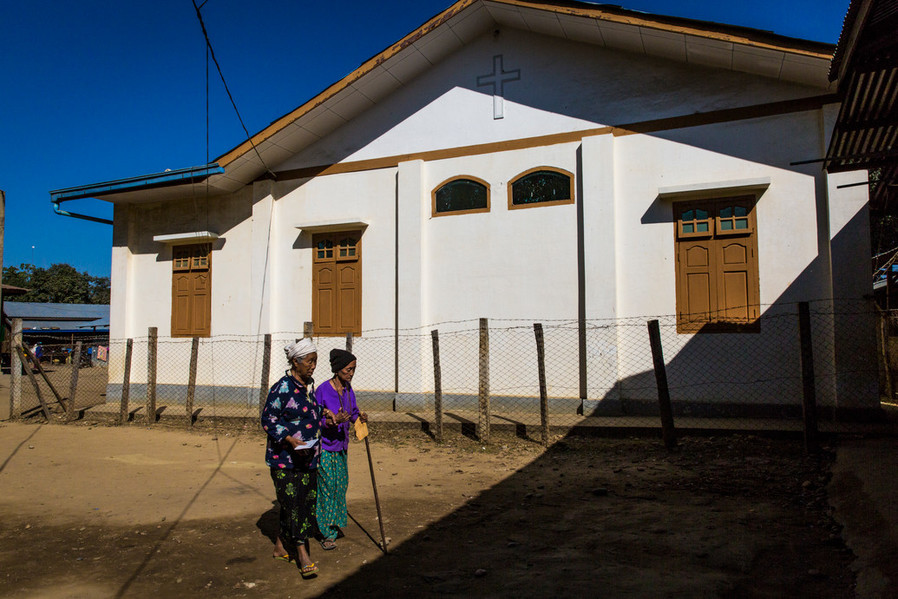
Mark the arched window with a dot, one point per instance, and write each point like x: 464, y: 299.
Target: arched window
x: 542, y: 186
x: 461, y: 195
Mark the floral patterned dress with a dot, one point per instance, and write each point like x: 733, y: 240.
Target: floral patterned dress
x: 291, y: 411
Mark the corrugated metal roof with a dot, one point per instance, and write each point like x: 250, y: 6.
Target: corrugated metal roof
x: 866, y: 61
x: 9, y: 290
x: 59, y: 317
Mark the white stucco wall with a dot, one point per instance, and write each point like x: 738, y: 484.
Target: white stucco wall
x: 563, y: 86
x: 517, y: 267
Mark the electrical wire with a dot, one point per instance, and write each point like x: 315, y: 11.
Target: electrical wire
x: 227, y: 90
x: 210, y: 53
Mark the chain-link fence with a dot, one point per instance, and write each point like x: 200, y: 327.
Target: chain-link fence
x: 595, y: 373
x: 54, y: 366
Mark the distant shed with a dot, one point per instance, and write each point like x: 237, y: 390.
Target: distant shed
x: 57, y: 327
x: 60, y: 323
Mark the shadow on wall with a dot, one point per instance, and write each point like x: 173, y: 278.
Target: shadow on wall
x: 758, y: 374
x: 545, y: 89
x: 702, y: 368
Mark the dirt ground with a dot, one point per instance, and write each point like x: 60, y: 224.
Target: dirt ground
x: 92, y: 510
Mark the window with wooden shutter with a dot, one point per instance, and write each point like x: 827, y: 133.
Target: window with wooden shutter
x: 717, y: 265
x: 191, y: 306
x: 337, y: 283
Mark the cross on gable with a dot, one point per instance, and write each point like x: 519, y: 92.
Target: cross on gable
x: 497, y: 79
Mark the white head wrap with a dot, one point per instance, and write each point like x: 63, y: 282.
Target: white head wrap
x: 301, y: 348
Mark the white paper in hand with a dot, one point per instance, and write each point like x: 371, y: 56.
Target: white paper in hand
x: 306, y: 445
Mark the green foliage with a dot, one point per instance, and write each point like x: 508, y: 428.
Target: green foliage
x: 61, y: 283
x: 884, y: 232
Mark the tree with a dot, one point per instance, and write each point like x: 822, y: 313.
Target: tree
x: 61, y: 283
x: 99, y: 290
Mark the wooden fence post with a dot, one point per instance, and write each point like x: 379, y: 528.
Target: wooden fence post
x: 266, y: 366
x: 37, y: 389
x: 15, y: 372
x: 885, y: 359
x: 437, y: 387
x: 667, y: 424
x: 32, y: 359
x: 191, y: 381
x: 349, y: 342
x: 543, y: 393
x: 73, y: 386
x: 126, y: 383
x: 483, y: 422
x: 152, y: 343
x: 809, y: 391
x: 308, y: 330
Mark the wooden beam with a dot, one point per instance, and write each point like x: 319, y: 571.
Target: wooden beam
x: 37, y: 388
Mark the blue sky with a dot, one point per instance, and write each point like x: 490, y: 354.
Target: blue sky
x: 97, y: 90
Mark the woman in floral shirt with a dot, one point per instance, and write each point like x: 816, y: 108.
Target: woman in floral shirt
x: 292, y: 420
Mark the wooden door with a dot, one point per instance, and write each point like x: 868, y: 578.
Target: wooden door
x: 191, y: 310
x: 337, y: 283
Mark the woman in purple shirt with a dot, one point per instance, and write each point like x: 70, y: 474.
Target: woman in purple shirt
x: 337, y: 400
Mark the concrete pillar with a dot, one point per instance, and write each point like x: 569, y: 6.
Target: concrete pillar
x: 596, y: 191
x: 264, y: 255
x: 262, y: 268
x: 854, y: 316
x: 120, y: 296
x: 411, y: 283
x: 120, y: 274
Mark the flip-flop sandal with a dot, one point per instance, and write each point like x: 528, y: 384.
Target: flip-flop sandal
x: 284, y: 558
x: 309, y: 571
x: 328, y: 544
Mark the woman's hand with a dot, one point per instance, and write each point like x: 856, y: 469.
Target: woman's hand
x: 292, y: 441
x: 329, y: 418
x: 363, y: 417
x: 342, y: 416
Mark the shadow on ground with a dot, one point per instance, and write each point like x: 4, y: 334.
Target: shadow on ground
x: 728, y: 516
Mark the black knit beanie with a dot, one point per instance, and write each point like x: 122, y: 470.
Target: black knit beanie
x: 340, y: 359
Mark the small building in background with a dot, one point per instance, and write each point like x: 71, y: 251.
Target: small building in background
x: 57, y: 328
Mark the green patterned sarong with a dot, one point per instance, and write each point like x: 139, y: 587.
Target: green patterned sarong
x: 297, y: 495
x: 333, y: 480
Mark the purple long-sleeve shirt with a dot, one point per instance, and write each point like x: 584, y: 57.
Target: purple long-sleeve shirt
x: 336, y: 438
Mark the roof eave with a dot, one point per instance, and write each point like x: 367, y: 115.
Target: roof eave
x: 731, y: 33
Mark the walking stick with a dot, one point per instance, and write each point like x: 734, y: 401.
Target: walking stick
x: 380, y: 519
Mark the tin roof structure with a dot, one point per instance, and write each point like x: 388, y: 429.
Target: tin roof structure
x: 59, y: 318
x: 865, y: 64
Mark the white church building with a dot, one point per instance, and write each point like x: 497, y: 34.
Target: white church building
x: 521, y: 161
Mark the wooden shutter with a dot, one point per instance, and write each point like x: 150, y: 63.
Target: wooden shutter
x: 698, y: 284
x: 717, y: 269
x: 733, y: 280
x: 191, y: 314
x: 349, y: 301
x: 180, y: 308
x: 337, y: 283
x: 201, y: 308
x: 324, y: 304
